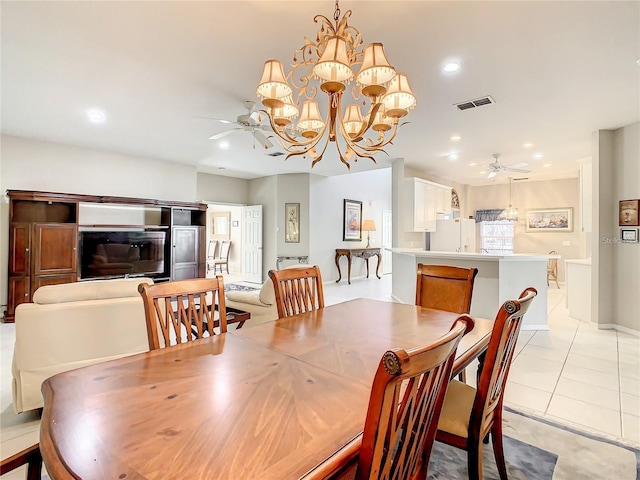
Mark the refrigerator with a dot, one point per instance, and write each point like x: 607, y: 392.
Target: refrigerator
x: 458, y: 235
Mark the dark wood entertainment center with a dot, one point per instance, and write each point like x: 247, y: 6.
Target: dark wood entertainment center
x: 44, y: 239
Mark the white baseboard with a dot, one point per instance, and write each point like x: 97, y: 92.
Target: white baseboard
x: 620, y: 328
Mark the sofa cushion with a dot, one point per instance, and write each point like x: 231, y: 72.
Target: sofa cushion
x: 246, y: 297
x: 90, y: 290
x: 267, y: 294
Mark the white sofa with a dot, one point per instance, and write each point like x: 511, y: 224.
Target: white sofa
x: 73, y: 325
x: 260, y: 303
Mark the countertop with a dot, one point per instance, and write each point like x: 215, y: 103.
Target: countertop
x: 516, y: 257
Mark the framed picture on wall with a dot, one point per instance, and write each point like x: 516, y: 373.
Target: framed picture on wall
x: 220, y: 222
x: 292, y: 227
x: 549, y: 220
x: 352, y: 221
x: 628, y: 210
x: 629, y: 235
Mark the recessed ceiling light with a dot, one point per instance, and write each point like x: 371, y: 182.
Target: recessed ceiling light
x: 547, y: 164
x: 482, y: 172
x: 472, y: 164
x: 455, y: 138
x: 96, y: 115
x: 527, y: 145
x: 453, y: 156
x: 224, y: 145
x: 451, y: 67
x: 538, y: 156
x: 638, y: 62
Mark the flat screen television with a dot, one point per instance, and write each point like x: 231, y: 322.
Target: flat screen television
x: 122, y: 254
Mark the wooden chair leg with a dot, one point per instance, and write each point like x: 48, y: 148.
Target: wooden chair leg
x: 474, y: 461
x: 498, y: 450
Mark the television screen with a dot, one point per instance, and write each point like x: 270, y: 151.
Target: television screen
x: 122, y: 253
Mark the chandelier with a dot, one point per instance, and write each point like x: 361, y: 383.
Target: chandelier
x: 510, y: 213
x: 328, y: 64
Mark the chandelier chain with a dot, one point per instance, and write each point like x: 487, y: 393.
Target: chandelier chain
x: 336, y: 14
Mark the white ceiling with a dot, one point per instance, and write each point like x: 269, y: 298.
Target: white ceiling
x: 558, y: 71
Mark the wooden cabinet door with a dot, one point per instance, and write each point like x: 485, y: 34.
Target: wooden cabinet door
x: 41, y: 281
x: 20, y: 256
x: 18, y: 293
x: 185, y: 243
x: 55, y: 248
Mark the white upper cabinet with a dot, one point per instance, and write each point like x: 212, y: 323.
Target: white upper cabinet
x: 423, y: 202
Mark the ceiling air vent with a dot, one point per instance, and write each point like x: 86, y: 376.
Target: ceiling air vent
x: 274, y: 154
x: 478, y: 102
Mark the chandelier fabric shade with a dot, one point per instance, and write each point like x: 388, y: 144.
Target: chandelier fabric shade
x: 273, y: 85
x: 328, y: 66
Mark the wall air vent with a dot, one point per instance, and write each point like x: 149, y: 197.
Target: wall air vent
x: 478, y: 102
x: 274, y: 154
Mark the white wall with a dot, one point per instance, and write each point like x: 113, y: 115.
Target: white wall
x: 326, y: 196
x: 626, y: 261
x: 264, y: 191
x: 221, y: 189
x: 533, y: 195
x: 293, y: 188
x: 36, y: 165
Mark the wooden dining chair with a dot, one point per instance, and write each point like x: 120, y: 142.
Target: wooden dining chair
x: 406, y: 398
x: 470, y: 414
x: 443, y: 287
x: 552, y: 269
x: 223, y: 259
x: 211, y: 254
x: 29, y: 456
x: 297, y: 290
x: 183, y: 310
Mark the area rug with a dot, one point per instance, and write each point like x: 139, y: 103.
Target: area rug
x: 537, y: 449
x: 236, y: 287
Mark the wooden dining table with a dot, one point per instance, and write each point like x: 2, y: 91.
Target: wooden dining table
x: 272, y: 401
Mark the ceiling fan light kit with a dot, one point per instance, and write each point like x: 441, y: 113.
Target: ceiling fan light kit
x: 327, y: 65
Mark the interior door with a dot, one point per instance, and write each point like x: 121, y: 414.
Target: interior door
x: 252, y: 243
x: 386, y: 241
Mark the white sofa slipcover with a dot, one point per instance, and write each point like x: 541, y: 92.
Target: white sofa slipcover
x: 260, y: 303
x: 73, y: 325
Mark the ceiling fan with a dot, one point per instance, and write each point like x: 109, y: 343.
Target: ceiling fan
x: 496, y: 167
x: 248, y: 122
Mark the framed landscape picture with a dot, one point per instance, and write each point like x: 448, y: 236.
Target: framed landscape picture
x: 549, y: 220
x: 352, y: 221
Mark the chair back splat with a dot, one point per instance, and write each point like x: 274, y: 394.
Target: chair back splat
x: 445, y: 288
x: 297, y: 290
x: 406, y: 398
x: 470, y: 414
x: 183, y: 310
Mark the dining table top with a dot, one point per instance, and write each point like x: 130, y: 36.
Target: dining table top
x: 271, y: 401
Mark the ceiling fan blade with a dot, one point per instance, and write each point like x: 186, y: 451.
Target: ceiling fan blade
x: 492, y: 174
x: 517, y: 170
x: 225, y: 133
x: 517, y: 165
x: 262, y: 139
x: 221, y: 120
x: 255, y: 116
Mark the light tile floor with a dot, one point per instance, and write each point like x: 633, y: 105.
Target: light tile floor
x: 573, y: 374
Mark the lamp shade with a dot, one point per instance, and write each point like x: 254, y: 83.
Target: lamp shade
x: 375, y: 68
x: 399, y: 98
x: 273, y: 85
x: 352, y: 120
x: 368, y: 226
x: 333, y: 65
x: 310, y: 118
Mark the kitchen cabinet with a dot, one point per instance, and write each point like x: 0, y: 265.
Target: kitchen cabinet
x: 424, y: 202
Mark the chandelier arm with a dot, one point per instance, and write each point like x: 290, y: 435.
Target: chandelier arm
x: 288, y: 138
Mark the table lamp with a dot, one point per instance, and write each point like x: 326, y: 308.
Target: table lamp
x: 368, y: 226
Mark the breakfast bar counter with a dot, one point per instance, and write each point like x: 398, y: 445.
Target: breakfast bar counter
x: 500, y: 278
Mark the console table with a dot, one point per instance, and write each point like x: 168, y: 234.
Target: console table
x: 299, y: 258
x: 365, y: 253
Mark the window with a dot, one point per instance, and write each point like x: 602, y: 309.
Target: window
x: 496, y: 237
